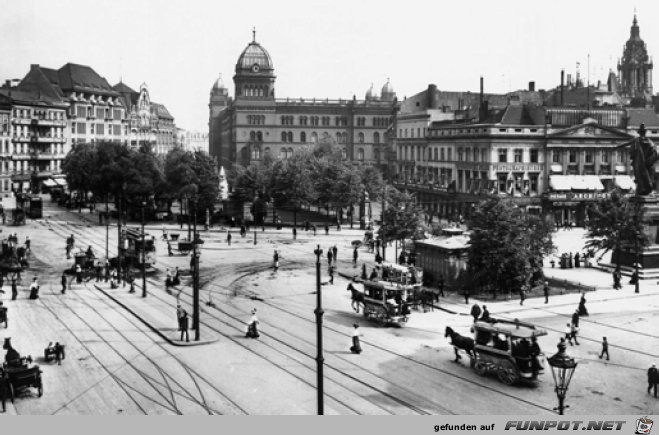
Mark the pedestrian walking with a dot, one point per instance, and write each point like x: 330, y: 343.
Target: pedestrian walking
x: 14, y: 288
x: 314, y: 230
x: 616, y: 279
x: 99, y: 270
x: 78, y: 274
x: 545, y: 290
x: 170, y: 252
x: 168, y: 280
x: 3, y: 315
x: 577, y: 260
x: 275, y: 261
x: 356, y: 345
x: 485, y: 317
x: 575, y: 318
x: 355, y: 255
x: 326, y: 230
x: 605, y: 348
x: 364, y: 273
x: 441, y: 285
x: 131, y: 281
x: 569, y: 260
x: 466, y: 295
x: 335, y: 252
x: 294, y: 233
x: 522, y: 296
x: 176, y: 277
x: 575, y: 330
x: 634, y: 278
x: 34, y: 288
x: 331, y: 274
x: 475, y: 312
x: 183, y: 326
x: 253, y: 326
x: 653, y: 379
x: 378, y: 257
x: 27, y: 244
x: 106, y: 266
x: 568, y: 334
x: 330, y: 256
x: 582, y: 305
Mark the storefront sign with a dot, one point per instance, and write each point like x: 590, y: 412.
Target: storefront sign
x: 578, y: 196
x: 518, y: 168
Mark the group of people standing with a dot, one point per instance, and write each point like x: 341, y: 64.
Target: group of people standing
x: 568, y: 261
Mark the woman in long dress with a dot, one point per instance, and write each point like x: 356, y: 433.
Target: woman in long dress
x: 356, y: 346
x: 252, y: 327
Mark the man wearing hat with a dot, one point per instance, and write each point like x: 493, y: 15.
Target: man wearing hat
x: 356, y: 346
x: 3, y: 314
x: 653, y: 379
x: 545, y: 290
x: 252, y: 327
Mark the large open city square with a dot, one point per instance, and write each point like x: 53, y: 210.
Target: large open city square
x: 473, y: 233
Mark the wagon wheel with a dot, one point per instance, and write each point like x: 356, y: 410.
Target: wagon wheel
x: 479, y: 367
x: 507, y: 373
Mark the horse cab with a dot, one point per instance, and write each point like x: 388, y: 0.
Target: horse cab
x: 508, y: 349
x: 386, y: 302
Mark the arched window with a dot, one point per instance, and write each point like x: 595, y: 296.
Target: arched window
x: 252, y: 136
x: 376, y: 137
x: 338, y: 137
x: 259, y: 136
x: 266, y: 151
x: 283, y: 153
x: 256, y: 152
x: 283, y: 136
x: 360, y: 154
x: 314, y: 137
x: 344, y: 153
x: 290, y: 136
x: 360, y: 137
x: 303, y: 137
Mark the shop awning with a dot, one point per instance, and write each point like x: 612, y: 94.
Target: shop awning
x: 575, y: 182
x: 560, y: 182
x: 621, y: 169
x: 49, y: 183
x: 624, y: 182
x: 60, y: 182
x: 556, y: 168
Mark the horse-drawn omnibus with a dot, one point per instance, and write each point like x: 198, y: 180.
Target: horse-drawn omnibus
x: 133, y: 249
x: 506, y: 348
x: 386, y: 302
x: 400, y: 274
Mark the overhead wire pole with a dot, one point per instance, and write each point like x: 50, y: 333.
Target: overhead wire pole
x: 195, y: 276
x: 319, y: 335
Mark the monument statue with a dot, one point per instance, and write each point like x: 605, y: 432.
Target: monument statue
x: 644, y: 156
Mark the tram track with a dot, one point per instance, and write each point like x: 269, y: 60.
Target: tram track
x: 206, y: 324
x: 261, y: 268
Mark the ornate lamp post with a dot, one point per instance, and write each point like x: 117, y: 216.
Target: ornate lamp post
x: 143, y: 254
x: 319, y: 333
x: 636, y: 248
x: 562, y: 369
x: 195, y: 271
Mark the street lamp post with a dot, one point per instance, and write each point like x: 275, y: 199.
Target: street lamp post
x: 143, y: 254
x: 636, y: 281
x: 319, y: 333
x: 195, y: 271
x: 120, y: 241
x: 562, y: 369
x: 107, y: 227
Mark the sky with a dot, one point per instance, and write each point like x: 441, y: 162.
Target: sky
x: 323, y: 49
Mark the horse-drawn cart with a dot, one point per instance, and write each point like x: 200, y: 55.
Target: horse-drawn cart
x: 506, y: 348
x: 14, y: 378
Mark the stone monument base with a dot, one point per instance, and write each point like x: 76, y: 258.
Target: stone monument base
x: 648, y: 258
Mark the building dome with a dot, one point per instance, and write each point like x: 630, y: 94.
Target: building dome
x: 387, y: 88
x: 219, y: 83
x: 370, y: 94
x: 253, y: 55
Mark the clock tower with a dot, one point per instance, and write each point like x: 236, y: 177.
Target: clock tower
x: 635, y: 69
x: 254, y: 78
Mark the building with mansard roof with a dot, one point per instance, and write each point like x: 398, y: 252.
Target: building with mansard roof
x: 254, y: 123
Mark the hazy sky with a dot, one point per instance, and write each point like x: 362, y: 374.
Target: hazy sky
x: 330, y: 48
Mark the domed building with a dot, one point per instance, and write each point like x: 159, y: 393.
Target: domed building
x: 253, y: 123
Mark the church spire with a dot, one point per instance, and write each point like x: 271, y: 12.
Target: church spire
x: 254, y: 31
x: 635, y: 32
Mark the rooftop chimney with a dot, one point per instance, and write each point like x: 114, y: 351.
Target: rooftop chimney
x: 562, y: 86
x: 481, y: 94
x: 431, y: 96
x: 532, y: 86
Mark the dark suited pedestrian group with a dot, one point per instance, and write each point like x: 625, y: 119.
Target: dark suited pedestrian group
x: 567, y: 260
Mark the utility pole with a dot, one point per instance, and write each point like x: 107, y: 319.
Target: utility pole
x: 195, y: 276
x: 319, y: 334
x: 143, y: 254
x: 107, y: 227
x: 119, y: 239
x: 384, y: 242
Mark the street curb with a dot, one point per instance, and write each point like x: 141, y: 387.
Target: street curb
x: 149, y: 325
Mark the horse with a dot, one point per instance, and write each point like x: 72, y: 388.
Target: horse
x: 426, y: 297
x: 356, y: 296
x: 460, y: 342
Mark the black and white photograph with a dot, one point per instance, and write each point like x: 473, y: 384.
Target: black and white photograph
x: 342, y: 208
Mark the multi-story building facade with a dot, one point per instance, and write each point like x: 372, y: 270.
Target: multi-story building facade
x: 254, y: 123
x: 148, y: 123
x: 5, y: 142
x: 37, y: 132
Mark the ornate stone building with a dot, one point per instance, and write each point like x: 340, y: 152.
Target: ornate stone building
x: 148, y: 123
x: 254, y: 123
x: 635, y: 69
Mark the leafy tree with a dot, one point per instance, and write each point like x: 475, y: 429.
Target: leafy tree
x: 616, y: 224
x: 206, y: 180
x: 506, y: 246
x: 292, y: 183
x: 402, y: 217
x: 79, y: 168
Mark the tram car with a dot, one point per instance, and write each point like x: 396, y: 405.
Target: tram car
x: 400, y: 274
x: 386, y: 302
x: 133, y: 245
x: 508, y: 349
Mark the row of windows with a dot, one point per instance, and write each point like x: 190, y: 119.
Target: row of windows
x: 339, y: 121
x: 289, y: 136
x: 287, y: 153
x: 83, y: 111
x: 4, y: 123
x: 256, y: 119
x: 518, y: 155
x: 51, y: 115
x: 98, y: 129
x: 255, y: 91
x: 588, y: 156
x: 402, y: 132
